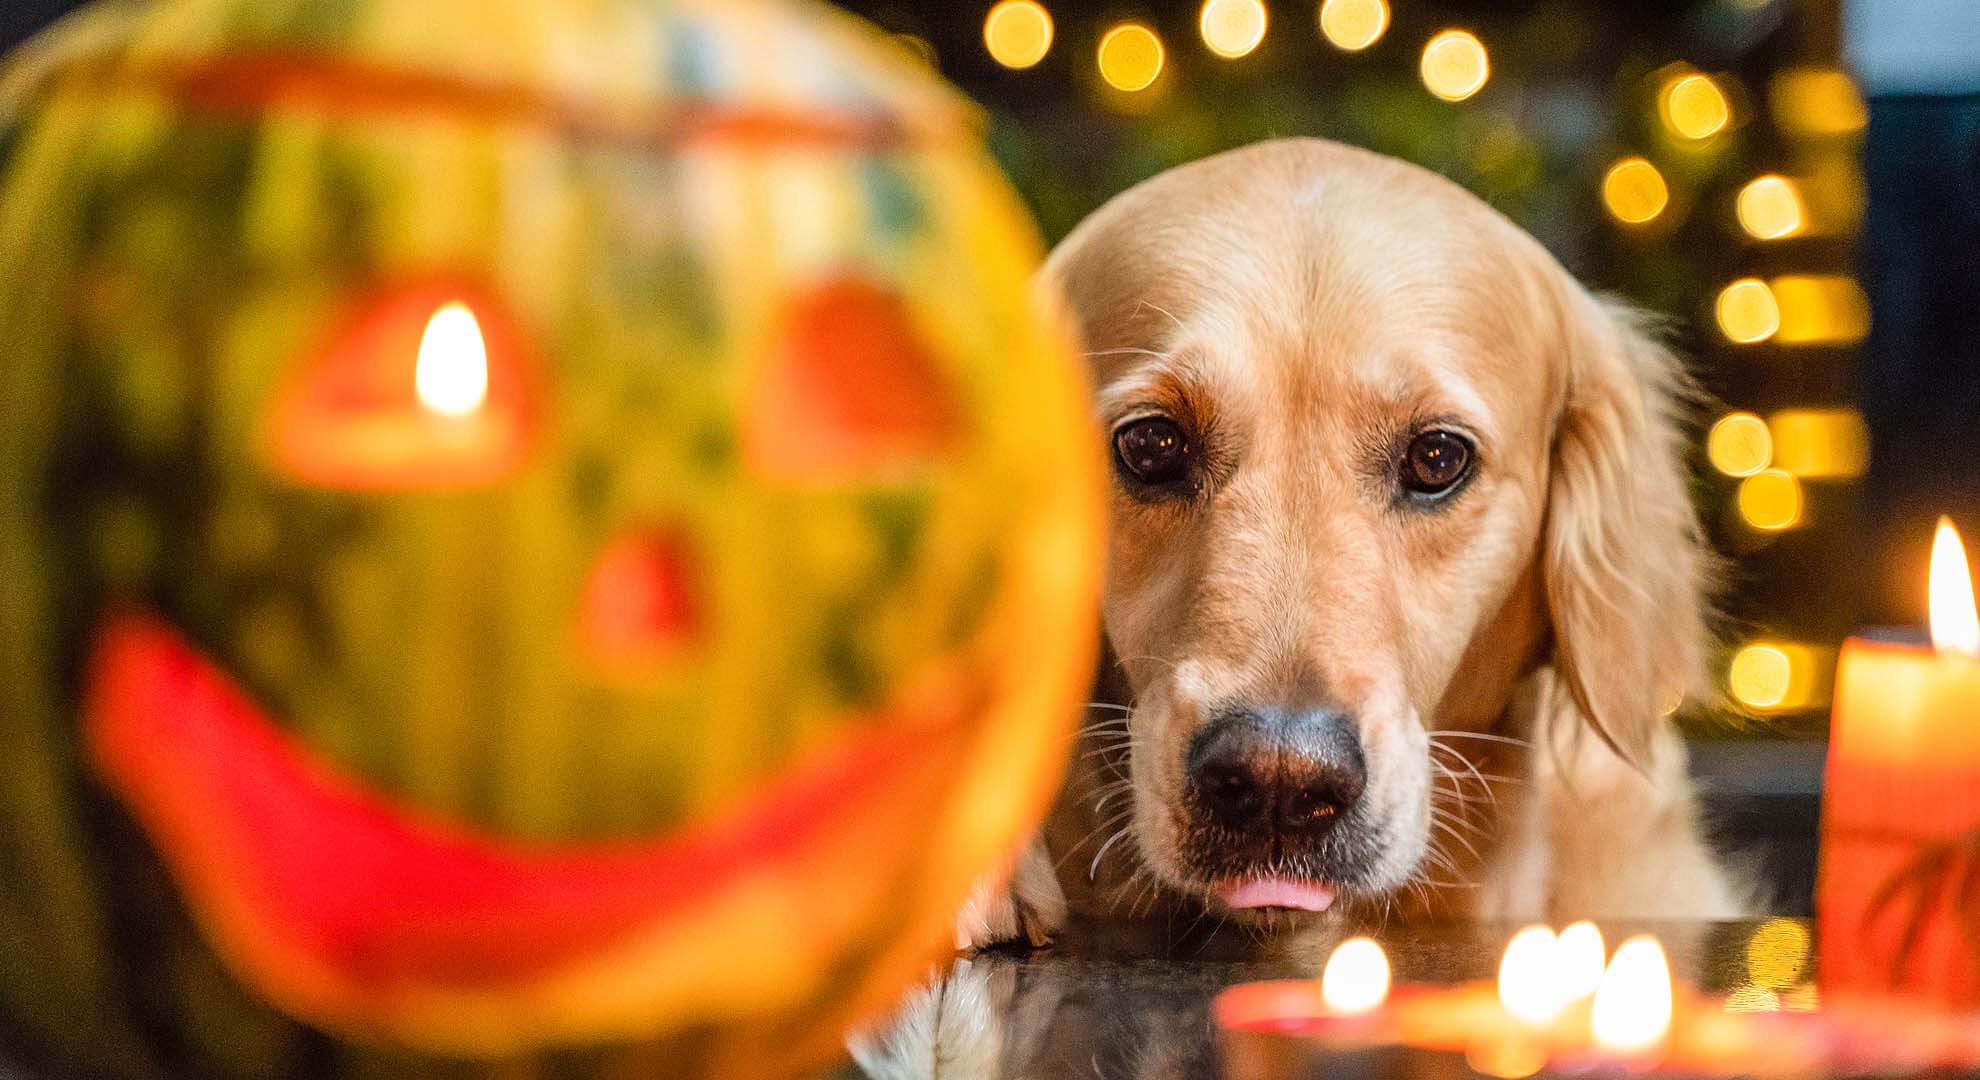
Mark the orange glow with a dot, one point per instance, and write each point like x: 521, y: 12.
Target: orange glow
x: 1018, y: 33
x: 1633, y: 1006
x: 1820, y: 309
x: 1769, y: 208
x: 1694, y: 107
x: 1455, y: 65
x: 1817, y: 101
x: 1356, y: 979
x: 1529, y: 984
x: 1777, y: 954
x: 1232, y: 28
x: 1354, y: 25
x: 1634, y: 191
x: 1747, y: 311
x: 1131, y: 57
x: 1739, y: 444
x: 1817, y: 444
x: 1770, y: 500
x: 1775, y: 675
x: 1507, y: 1059
x: 423, y: 390
x: 1955, y: 627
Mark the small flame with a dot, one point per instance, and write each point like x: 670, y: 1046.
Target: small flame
x: 1579, y: 959
x: 1357, y: 977
x: 1632, y: 1010
x: 451, y: 376
x: 1955, y: 628
x: 1529, y: 983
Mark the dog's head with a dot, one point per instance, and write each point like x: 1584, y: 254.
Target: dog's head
x: 1377, y: 459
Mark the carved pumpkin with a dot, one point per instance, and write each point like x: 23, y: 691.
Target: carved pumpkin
x: 532, y: 531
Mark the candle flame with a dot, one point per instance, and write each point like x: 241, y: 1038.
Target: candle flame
x: 1529, y: 983
x: 1580, y: 958
x: 1955, y: 627
x: 1356, y: 979
x: 1632, y: 1010
x: 451, y: 375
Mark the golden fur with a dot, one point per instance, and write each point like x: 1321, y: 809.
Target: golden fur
x: 1306, y: 302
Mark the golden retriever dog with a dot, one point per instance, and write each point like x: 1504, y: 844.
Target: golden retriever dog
x: 1403, y: 577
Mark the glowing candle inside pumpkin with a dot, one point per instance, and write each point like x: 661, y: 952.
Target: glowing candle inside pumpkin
x: 451, y: 375
x: 1903, y: 777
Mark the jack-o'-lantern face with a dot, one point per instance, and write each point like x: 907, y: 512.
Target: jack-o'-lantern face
x: 529, y: 580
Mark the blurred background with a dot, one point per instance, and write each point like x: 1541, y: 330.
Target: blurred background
x: 1795, y: 184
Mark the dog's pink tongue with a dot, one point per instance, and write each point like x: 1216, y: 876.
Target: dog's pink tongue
x: 1276, y: 892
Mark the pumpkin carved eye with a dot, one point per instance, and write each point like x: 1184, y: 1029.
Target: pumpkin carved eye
x: 852, y: 390
x: 423, y: 390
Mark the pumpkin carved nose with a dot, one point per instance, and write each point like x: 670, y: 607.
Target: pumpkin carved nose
x: 641, y: 603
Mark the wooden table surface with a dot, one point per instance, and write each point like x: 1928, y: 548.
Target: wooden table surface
x: 1090, y: 1013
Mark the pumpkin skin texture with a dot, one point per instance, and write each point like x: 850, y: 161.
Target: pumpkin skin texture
x: 540, y: 537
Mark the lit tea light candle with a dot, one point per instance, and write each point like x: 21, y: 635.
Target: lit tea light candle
x: 1356, y: 979
x: 1904, y: 780
x: 1530, y: 987
x: 1348, y: 999
x: 1632, y: 1011
x: 1581, y: 957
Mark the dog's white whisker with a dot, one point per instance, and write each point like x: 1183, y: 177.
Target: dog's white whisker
x: 1093, y: 868
x: 1487, y: 736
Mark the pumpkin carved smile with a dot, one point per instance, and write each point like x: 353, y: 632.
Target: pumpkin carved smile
x: 347, y: 904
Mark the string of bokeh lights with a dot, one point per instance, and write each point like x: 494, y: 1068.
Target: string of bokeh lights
x: 1769, y: 459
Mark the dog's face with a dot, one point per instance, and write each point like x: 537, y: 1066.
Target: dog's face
x: 1334, y: 386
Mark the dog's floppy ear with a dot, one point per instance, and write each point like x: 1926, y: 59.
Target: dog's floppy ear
x: 1625, y: 565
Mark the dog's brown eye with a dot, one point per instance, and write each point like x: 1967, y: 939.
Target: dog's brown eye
x: 1153, y: 450
x: 1435, y: 462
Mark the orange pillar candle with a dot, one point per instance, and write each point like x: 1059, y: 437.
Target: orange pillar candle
x: 1899, y: 896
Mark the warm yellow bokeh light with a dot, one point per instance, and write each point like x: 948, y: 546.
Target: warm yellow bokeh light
x: 1770, y: 500
x: 450, y: 375
x: 1454, y: 65
x: 1820, y: 444
x: 1816, y: 101
x: 1354, y: 25
x: 1130, y: 57
x: 1018, y: 33
x: 1773, y: 675
x: 1752, y: 999
x: 1820, y: 309
x: 1634, y: 191
x: 1739, y: 444
x: 1769, y: 208
x: 1748, y: 312
x: 1356, y: 978
x: 1949, y: 584
x: 1694, y: 107
x: 1776, y: 954
x: 1632, y: 1011
x: 1232, y: 28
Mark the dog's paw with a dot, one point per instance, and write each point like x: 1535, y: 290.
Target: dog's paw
x: 1025, y: 910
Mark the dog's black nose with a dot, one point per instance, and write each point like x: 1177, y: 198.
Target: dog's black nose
x: 1294, y: 773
